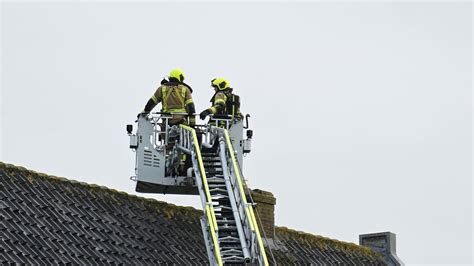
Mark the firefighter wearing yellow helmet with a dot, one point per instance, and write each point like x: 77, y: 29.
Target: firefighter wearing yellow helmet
x: 223, y: 101
x: 175, y: 97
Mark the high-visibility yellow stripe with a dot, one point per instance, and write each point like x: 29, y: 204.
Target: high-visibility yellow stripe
x: 200, y: 163
x: 217, y: 252
x: 259, y: 238
x: 237, y: 172
x: 250, y: 213
x: 181, y: 96
x: 211, y: 216
x: 213, y: 110
x: 219, y: 101
x: 233, y: 105
x: 188, y: 101
x: 154, y: 99
x: 164, y: 96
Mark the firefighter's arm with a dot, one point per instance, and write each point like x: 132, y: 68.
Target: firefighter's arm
x: 217, y: 107
x: 154, y: 100
x: 219, y: 104
x: 189, y: 105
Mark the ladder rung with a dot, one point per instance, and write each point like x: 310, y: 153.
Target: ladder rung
x: 225, y: 213
x: 210, y: 157
x: 228, y: 228
x: 224, y: 247
x: 217, y: 186
x: 208, y: 153
x: 237, y: 249
x: 217, y: 190
x: 225, y: 221
x: 212, y: 163
x: 234, y: 243
x: 220, y: 199
x: 213, y: 168
x: 216, y: 178
x: 213, y: 173
x: 215, y: 181
x: 237, y: 260
x: 209, y: 166
x: 229, y: 234
x: 223, y: 207
x: 232, y: 252
x: 217, y: 195
x: 228, y: 239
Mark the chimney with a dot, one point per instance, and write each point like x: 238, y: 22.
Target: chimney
x: 383, y: 243
x: 265, y: 212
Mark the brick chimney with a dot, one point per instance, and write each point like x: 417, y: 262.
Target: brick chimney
x: 265, y: 212
x: 383, y: 243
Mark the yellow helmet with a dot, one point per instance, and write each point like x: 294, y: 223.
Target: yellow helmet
x: 177, y: 74
x: 220, y: 83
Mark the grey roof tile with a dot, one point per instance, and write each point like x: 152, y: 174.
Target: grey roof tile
x: 48, y: 220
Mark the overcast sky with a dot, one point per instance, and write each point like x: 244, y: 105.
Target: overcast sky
x: 361, y: 112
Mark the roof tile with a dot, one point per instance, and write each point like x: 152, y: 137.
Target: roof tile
x: 50, y: 220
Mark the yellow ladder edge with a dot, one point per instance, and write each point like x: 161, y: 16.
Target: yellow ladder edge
x: 211, y: 216
x: 242, y: 192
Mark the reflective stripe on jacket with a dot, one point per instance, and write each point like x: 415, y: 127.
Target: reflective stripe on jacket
x: 225, y: 102
x: 174, y: 97
x: 218, y: 103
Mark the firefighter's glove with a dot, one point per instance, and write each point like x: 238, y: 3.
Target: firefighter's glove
x: 204, y: 113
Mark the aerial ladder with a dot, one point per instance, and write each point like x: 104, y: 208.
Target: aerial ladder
x: 204, y: 160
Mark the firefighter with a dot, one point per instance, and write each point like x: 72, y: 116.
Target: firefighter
x: 224, y: 102
x: 175, y: 97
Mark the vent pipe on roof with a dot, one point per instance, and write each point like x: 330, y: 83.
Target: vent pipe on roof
x: 384, y: 243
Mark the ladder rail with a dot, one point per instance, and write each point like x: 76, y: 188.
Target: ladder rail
x: 246, y: 225
x: 248, y: 208
x: 189, y: 140
x: 210, y: 256
x: 235, y: 207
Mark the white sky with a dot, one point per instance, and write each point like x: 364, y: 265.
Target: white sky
x: 361, y: 111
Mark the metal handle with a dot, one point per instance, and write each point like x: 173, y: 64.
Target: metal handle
x: 246, y: 121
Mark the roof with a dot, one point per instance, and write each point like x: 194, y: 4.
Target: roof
x: 55, y: 220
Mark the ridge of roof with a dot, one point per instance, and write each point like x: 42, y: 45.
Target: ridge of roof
x: 169, y: 210
x: 323, y: 242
